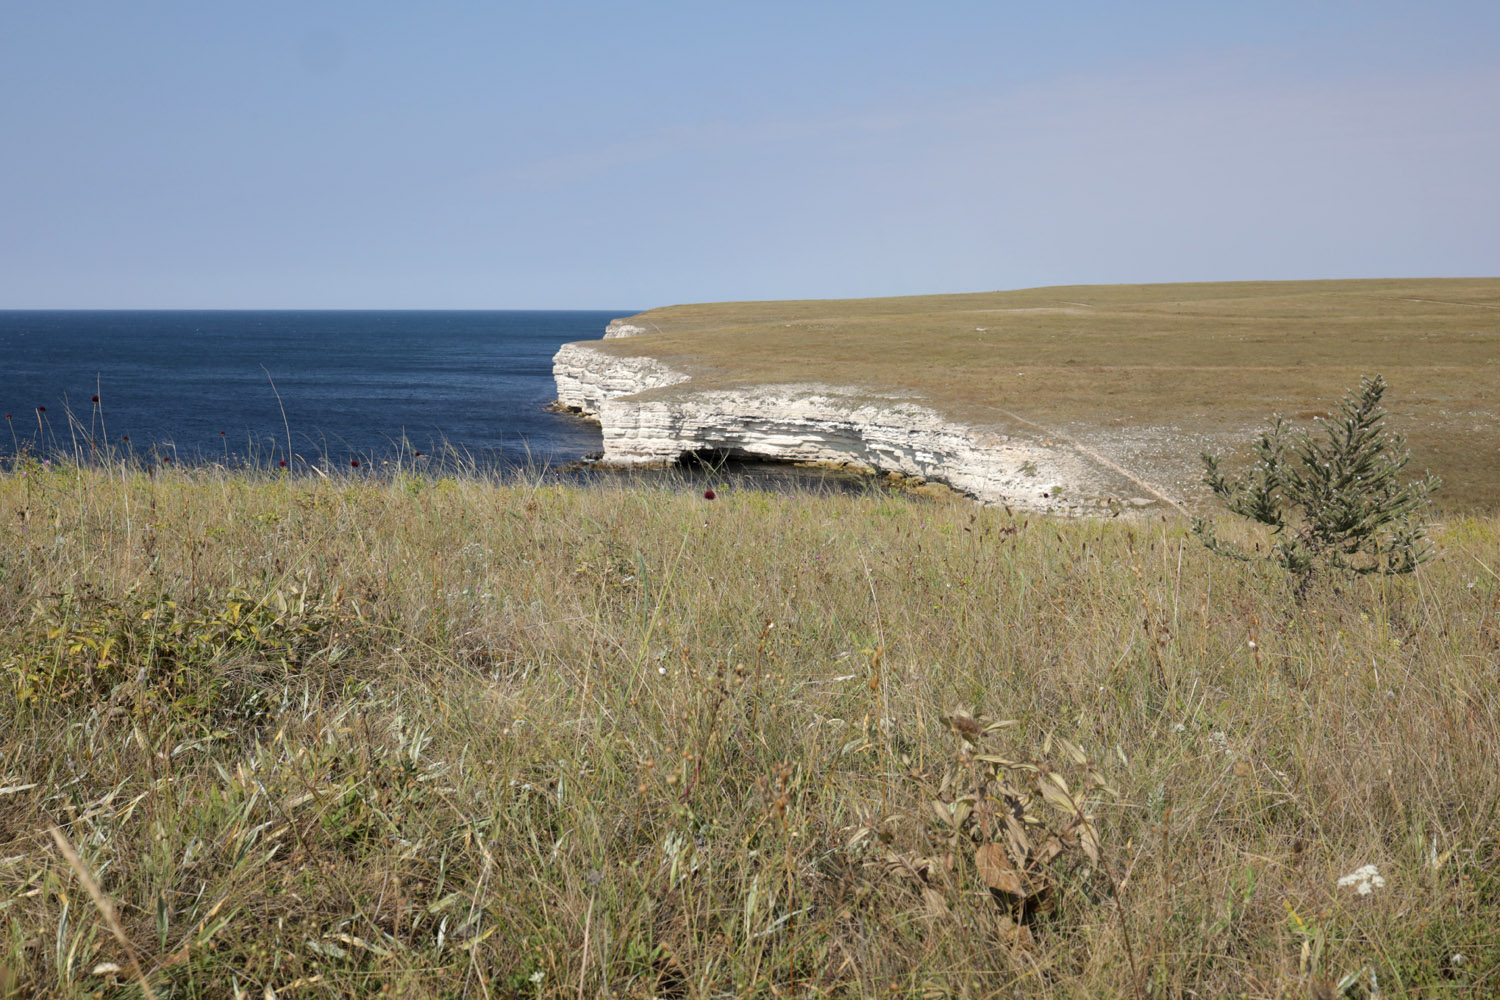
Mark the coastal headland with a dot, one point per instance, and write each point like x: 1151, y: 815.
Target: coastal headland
x: 1072, y: 400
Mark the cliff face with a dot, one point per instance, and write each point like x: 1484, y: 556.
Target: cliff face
x: 586, y: 377
x: 814, y: 423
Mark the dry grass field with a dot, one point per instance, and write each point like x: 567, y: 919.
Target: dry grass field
x: 396, y: 736
x: 1149, y: 375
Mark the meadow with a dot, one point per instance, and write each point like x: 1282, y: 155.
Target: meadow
x: 1147, y: 375
x: 397, y: 735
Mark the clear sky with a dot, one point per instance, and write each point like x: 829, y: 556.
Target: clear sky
x: 613, y: 154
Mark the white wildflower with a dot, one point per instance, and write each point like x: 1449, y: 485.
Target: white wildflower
x: 537, y: 977
x: 1363, y: 880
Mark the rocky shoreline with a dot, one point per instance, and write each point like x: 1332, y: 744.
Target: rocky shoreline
x: 651, y: 416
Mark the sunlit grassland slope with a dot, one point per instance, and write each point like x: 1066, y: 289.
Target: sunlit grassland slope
x: 404, y: 737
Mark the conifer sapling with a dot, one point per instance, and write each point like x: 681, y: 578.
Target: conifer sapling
x: 1334, y: 500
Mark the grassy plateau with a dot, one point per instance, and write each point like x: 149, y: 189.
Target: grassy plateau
x: 1147, y: 375
x: 392, y: 735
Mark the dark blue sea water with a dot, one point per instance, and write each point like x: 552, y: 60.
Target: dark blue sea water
x: 354, y: 385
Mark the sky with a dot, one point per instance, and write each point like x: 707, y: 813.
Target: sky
x: 581, y: 155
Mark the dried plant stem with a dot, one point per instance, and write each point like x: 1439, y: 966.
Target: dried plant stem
x: 1114, y: 893
x: 106, y: 908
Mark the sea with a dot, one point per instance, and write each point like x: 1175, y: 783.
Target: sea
x: 307, y: 387
x: 319, y: 390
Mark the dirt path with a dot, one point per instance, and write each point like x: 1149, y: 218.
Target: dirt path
x: 1100, y: 459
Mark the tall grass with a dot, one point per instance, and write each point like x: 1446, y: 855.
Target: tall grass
x: 415, y: 736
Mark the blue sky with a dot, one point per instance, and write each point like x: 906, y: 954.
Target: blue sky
x: 627, y: 155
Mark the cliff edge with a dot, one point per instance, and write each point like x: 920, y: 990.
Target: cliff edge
x: 652, y: 416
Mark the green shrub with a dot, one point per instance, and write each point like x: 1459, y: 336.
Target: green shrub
x: 1332, y: 501
x: 83, y: 647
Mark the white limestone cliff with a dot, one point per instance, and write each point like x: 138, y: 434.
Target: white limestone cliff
x: 586, y: 377
x: 618, y: 328
x: 648, y: 418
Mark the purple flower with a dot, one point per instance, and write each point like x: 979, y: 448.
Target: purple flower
x: 709, y: 495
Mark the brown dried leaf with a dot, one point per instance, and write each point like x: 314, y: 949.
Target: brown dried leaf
x: 1097, y: 780
x: 961, y: 721
x: 1049, y: 850
x: 1015, y: 832
x: 1055, y: 792
x: 1072, y: 750
x: 1005, y: 762
x: 937, y: 906
x: 898, y: 863
x: 1088, y: 839
x: 997, y: 871
x: 1012, y: 933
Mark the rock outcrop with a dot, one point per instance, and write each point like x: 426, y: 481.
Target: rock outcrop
x: 586, y: 377
x: 650, y: 418
x: 619, y: 328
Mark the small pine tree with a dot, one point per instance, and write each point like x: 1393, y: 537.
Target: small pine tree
x: 1331, y: 501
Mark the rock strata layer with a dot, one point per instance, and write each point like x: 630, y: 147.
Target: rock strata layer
x: 650, y: 418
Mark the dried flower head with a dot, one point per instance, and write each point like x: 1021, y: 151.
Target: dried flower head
x: 1364, y: 880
